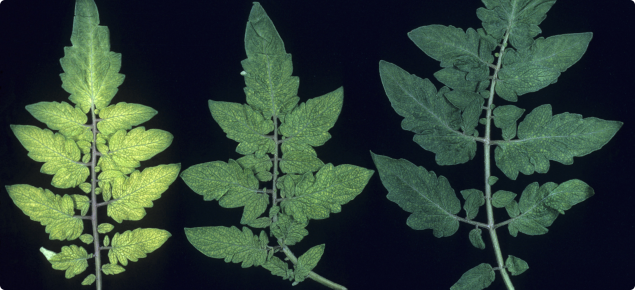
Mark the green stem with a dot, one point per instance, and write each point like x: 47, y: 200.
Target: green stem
x: 313, y: 275
x: 488, y: 188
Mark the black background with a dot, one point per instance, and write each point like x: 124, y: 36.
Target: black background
x: 179, y: 54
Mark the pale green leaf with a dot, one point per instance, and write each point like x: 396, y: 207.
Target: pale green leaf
x: 90, y: 68
x: 502, y: 198
x: 105, y: 228
x: 520, y: 17
x: 309, y: 122
x: 289, y: 230
x: 476, y: 238
x: 214, y: 179
x: 431, y: 200
x: 244, y: 125
x: 477, y: 278
x: 51, y: 210
x: 516, y: 265
x: 127, y: 149
x: 112, y: 269
x: 61, y: 155
x: 228, y: 243
x: 73, y: 259
x: 316, y: 197
x: 47, y: 253
x: 132, y: 245
x: 86, y: 238
x: 82, y: 203
x: 123, y: 116
x: 60, y: 116
x: 307, y: 262
x: 85, y: 187
x: 428, y: 114
x: 270, y: 87
x: 89, y: 280
x: 543, y: 137
x: 139, y: 190
x: 474, y: 199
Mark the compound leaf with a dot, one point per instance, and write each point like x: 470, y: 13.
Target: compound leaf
x: 61, y: 155
x: 477, y: 278
x: 133, y: 194
x: 539, y: 206
x: 91, y: 71
x: 60, y: 116
x: 228, y: 243
x: 431, y: 200
x: 214, y: 179
x: 434, y: 120
x: 309, y: 122
x: 522, y: 22
x: 332, y: 186
x: 543, y: 137
x: 132, y: 245
x: 128, y: 148
x: 307, y: 262
x: 270, y: 87
x: 72, y: 258
x: 516, y: 265
x: 51, y: 210
x: 123, y: 116
x: 244, y: 125
x: 112, y: 269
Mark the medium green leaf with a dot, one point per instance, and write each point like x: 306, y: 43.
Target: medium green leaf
x: 539, y: 206
x: 278, y: 268
x: 112, y: 269
x: 447, y: 44
x: 300, y: 162
x: 474, y: 198
x: 60, y: 116
x: 90, y: 68
x: 521, y: 21
x: 431, y: 200
x: 139, y: 190
x: 477, y: 278
x: 476, y: 238
x: 61, y: 155
x: 309, y: 122
x: 502, y: 198
x: 255, y: 203
x: 543, y: 137
x: 228, y: 243
x: 289, y: 230
x: 270, y: 87
x: 307, y: 262
x: 51, y: 210
x: 428, y: 114
x: 529, y: 70
x: 516, y: 265
x: 132, y: 245
x: 257, y: 165
x: 214, y: 179
x: 505, y: 118
x: 316, y: 197
x: 123, y: 116
x: 127, y: 149
x: 244, y: 125
x: 72, y: 258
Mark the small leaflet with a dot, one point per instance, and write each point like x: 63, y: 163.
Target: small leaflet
x: 307, y: 262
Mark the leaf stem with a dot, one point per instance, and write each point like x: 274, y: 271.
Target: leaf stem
x: 488, y: 188
x: 313, y: 275
x: 93, y: 196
